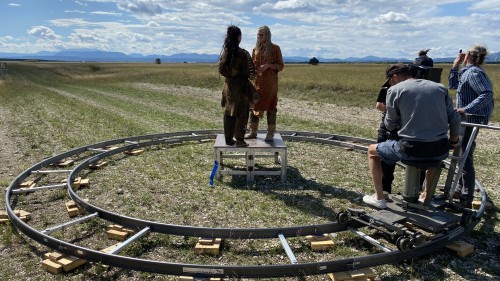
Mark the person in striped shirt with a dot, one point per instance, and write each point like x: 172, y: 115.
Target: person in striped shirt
x: 475, y: 103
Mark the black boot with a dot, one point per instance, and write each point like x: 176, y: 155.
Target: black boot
x: 229, y: 122
x: 239, y: 129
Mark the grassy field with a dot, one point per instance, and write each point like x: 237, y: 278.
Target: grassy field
x: 50, y: 108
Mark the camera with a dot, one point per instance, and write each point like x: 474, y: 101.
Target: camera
x: 424, y: 72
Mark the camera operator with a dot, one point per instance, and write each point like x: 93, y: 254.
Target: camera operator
x: 422, y: 112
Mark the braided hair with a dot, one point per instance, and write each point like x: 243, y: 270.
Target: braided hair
x: 231, y: 45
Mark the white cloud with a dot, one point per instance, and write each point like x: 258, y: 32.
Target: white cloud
x: 325, y: 29
x: 393, y: 17
x: 75, y: 11
x: 43, y: 32
x: 142, y: 7
x: 14, y: 5
x: 486, y: 5
x: 80, y: 3
x: 291, y: 6
x: 6, y: 38
x: 86, y: 37
x: 101, y: 13
x: 139, y: 38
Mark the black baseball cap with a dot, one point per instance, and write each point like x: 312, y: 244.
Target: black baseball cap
x: 394, y: 69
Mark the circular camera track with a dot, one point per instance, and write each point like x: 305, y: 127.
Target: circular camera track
x: 99, y: 151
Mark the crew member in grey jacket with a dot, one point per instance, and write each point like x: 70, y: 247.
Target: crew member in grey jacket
x: 422, y: 112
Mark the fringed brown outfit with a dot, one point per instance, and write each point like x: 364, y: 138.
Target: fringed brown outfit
x: 235, y: 94
x: 266, y: 84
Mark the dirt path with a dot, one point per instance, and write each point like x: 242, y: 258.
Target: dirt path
x: 10, y: 152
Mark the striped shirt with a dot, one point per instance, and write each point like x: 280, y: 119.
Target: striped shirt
x: 474, y: 92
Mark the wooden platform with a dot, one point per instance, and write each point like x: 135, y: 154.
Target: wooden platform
x: 257, y: 148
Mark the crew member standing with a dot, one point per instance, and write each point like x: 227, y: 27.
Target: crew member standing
x: 423, y: 59
x: 475, y: 99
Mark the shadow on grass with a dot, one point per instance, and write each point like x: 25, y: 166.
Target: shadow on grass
x: 297, y: 198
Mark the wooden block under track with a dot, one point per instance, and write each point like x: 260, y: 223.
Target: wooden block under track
x: 110, y: 248
x: 117, y: 235
x: 69, y: 262
x: 55, y: 262
x: 134, y: 152
x: 208, y: 249
x: 320, y: 242
x: 73, y: 209
x: 76, y: 182
x: 84, y: 183
x: 98, y: 165
x: 120, y: 228
x: 23, y: 215
x: 66, y: 163
x: 461, y: 248
x: 190, y: 278
x: 52, y: 267
x: 476, y: 204
x: 353, y: 275
x: 28, y: 184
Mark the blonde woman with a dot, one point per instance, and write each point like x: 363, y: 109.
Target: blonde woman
x: 475, y: 98
x: 268, y: 62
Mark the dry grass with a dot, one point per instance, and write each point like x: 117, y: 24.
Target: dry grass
x: 47, y: 109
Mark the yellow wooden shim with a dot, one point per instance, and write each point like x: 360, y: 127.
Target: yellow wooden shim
x: 461, y: 248
x: 208, y: 246
x: 134, y: 152
x: 56, y: 262
x: 353, y: 275
x: 320, y: 242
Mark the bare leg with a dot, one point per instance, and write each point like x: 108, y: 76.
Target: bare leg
x: 376, y: 170
x: 430, y: 179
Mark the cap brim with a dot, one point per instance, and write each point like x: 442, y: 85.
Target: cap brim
x: 386, y: 84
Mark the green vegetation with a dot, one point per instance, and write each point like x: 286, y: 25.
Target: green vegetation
x: 50, y: 108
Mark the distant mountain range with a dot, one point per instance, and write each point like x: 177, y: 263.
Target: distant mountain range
x: 102, y: 56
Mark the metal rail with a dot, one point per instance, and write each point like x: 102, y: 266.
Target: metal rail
x: 173, y: 268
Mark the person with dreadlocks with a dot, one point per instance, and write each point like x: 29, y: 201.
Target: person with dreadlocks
x: 236, y: 65
x: 268, y: 62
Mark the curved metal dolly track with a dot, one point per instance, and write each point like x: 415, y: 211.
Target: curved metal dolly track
x: 172, y: 268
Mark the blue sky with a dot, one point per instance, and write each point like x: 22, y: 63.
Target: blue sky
x: 325, y: 29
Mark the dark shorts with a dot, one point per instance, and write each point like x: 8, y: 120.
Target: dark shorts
x: 390, y: 152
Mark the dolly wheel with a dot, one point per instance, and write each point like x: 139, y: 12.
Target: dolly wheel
x: 342, y: 217
x: 465, y: 219
x: 418, y: 240
x: 403, y: 243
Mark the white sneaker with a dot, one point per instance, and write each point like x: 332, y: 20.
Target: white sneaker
x: 371, y: 200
